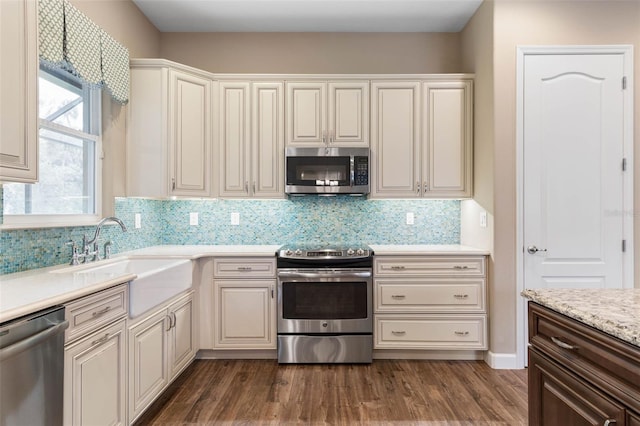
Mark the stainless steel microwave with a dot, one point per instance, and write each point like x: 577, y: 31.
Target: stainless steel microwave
x: 327, y: 171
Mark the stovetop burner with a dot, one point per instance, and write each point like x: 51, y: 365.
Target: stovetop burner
x: 325, y: 252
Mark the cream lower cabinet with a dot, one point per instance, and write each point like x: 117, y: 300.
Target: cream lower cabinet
x: 95, y: 359
x: 421, y: 138
x: 251, y: 139
x: 244, y: 303
x: 18, y: 85
x: 161, y: 345
x: 169, y: 130
x: 430, y: 302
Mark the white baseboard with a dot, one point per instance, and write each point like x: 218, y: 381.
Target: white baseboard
x: 502, y: 361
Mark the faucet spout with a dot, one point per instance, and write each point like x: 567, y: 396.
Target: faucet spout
x: 96, y: 235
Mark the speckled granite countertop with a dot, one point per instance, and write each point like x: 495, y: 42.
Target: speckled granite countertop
x: 613, y: 311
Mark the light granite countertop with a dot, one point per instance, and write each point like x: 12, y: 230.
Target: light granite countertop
x: 613, y: 311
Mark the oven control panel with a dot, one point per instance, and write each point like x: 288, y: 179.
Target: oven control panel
x: 310, y: 254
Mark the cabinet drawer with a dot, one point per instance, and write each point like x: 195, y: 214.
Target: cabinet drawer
x: 609, y: 363
x: 89, y: 313
x: 244, y: 267
x: 430, y: 295
x: 557, y: 397
x: 430, y: 332
x: 422, y: 266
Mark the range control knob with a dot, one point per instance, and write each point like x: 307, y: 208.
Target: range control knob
x: 360, y: 252
x: 298, y: 252
x: 288, y: 252
x: 350, y: 252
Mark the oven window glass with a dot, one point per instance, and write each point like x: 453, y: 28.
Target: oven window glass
x: 318, y: 171
x: 325, y: 300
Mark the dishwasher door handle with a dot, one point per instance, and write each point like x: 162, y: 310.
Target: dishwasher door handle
x: 31, y: 341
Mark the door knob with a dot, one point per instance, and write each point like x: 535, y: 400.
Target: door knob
x: 534, y: 249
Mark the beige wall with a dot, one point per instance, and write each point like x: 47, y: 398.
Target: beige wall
x: 123, y: 21
x: 542, y: 23
x: 315, y: 53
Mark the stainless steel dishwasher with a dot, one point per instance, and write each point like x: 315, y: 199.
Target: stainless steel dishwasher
x: 32, y: 369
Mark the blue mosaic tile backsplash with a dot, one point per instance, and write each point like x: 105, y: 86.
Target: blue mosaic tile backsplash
x: 305, y: 219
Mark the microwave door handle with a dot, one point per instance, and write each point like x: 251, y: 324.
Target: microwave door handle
x: 352, y: 171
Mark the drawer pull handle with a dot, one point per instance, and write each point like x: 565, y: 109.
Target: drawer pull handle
x: 563, y: 345
x: 398, y: 333
x: 102, y: 311
x: 461, y: 333
x: 461, y: 296
x: 100, y: 340
x: 398, y: 296
x: 460, y: 267
x: 244, y: 268
x: 397, y: 268
x: 609, y: 422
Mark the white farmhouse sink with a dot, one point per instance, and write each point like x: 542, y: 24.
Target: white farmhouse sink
x: 158, y: 279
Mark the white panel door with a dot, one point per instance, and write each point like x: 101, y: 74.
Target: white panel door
x: 349, y: 113
x: 395, y: 139
x: 182, y: 348
x: 573, y: 178
x: 190, y: 134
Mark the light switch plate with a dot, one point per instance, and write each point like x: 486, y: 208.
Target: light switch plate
x: 483, y: 219
x: 137, y: 221
x: 235, y: 218
x: 410, y: 218
x: 193, y: 219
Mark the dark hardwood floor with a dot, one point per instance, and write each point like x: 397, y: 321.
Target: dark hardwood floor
x: 393, y: 392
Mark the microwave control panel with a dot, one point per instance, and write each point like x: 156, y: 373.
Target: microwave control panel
x: 361, y: 172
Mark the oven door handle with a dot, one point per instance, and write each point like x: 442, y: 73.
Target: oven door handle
x: 324, y: 274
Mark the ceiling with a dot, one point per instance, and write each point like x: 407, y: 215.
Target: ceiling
x: 309, y: 15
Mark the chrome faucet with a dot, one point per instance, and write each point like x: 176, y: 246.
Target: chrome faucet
x: 90, y: 247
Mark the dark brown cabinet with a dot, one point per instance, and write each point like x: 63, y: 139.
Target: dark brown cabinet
x: 579, y: 375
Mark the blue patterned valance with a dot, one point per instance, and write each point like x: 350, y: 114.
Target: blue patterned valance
x: 69, y: 39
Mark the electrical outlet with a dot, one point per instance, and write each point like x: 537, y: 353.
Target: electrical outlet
x: 137, y: 221
x: 235, y: 218
x: 193, y: 219
x: 410, y: 218
x: 483, y: 219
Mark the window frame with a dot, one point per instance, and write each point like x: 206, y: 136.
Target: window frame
x: 93, y: 121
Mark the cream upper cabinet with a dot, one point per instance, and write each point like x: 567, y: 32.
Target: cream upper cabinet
x: 251, y: 139
x: 395, y: 139
x: 422, y: 139
x: 169, y: 131
x: 328, y: 113
x: 18, y: 85
x: 448, y: 137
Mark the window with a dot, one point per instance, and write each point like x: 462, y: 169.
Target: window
x: 68, y: 190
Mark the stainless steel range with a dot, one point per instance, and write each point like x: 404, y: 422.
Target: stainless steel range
x: 325, y: 310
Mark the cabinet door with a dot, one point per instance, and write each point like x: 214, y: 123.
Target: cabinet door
x: 94, y: 385
x: 18, y: 85
x: 190, y: 134
x: 182, y: 338
x: 148, y: 373
x: 349, y: 113
x: 234, y: 135
x: 267, y: 139
x: 395, y: 139
x: 245, y: 314
x: 448, y: 127
x: 558, y: 398
x: 306, y: 113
